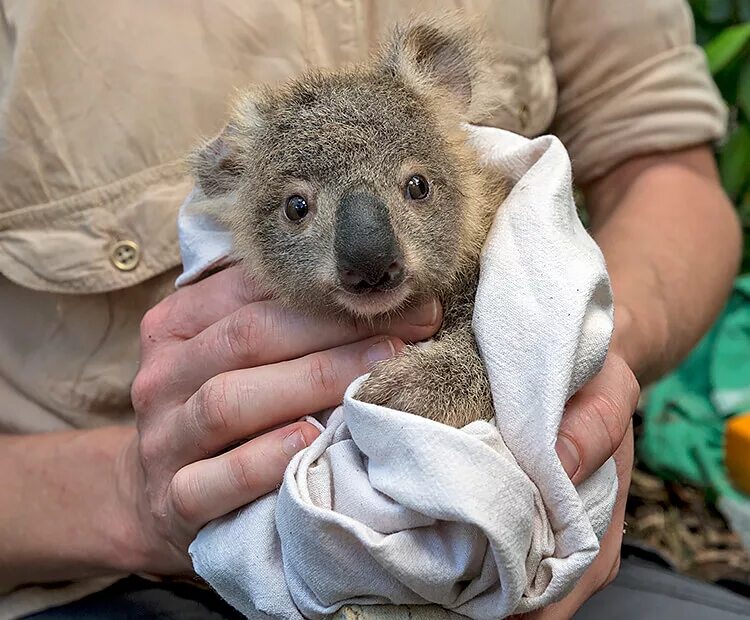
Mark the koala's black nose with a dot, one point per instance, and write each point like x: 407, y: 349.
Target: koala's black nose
x: 367, y: 252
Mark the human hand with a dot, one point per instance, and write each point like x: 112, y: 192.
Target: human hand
x: 225, y: 372
x: 596, y: 425
x: 597, y: 418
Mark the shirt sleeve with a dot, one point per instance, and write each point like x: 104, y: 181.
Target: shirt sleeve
x: 631, y: 81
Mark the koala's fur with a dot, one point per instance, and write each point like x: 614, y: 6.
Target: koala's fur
x: 359, y: 134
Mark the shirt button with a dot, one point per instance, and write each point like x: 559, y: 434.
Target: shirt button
x: 125, y: 255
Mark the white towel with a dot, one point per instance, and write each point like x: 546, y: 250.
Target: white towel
x: 387, y: 507
x: 204, y: 243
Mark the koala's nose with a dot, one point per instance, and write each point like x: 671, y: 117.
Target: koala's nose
x: 367, y: 252
x: 359, y: 280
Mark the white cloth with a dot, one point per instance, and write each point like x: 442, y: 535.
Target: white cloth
x: 204, y: 243
x: 388, y: 507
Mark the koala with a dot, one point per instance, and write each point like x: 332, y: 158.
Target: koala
x: 355, y: 193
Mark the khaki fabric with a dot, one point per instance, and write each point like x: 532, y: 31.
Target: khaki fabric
x: 99, y: 101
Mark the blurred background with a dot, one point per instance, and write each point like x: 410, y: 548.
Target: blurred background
x: 723, y: 29
x: 690, y: 497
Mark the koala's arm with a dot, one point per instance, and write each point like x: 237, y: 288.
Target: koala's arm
x: 444, y: 381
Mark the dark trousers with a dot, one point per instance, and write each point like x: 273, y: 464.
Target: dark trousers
x: 643, y: 590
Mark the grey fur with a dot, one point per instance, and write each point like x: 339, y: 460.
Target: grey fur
x: 366, y: 130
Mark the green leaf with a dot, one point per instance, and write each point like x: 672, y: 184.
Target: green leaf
x: 734, y: 161
x: 723, y: 48
x: 743, y: 89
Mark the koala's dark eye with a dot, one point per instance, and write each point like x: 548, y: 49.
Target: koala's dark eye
x: 417, y: 188
x: 296, y: 208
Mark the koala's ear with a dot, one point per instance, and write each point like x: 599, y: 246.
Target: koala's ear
x: 444, y: 53
x: 215, y: 165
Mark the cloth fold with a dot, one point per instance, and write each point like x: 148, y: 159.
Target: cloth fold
x: 390, y: 508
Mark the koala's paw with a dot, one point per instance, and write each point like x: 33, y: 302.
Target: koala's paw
x: 399, y: 384
x: 424, y: 382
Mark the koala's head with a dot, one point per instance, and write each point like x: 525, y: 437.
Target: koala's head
x: 355, y: 191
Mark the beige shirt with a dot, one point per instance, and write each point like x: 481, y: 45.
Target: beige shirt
x: 100, y: 100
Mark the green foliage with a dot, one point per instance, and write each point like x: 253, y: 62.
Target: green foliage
x: 723, y: 28
x: 727, y: 45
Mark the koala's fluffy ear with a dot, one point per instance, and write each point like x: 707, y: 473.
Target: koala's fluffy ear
x: 443, y: 52
x: 217, y: 165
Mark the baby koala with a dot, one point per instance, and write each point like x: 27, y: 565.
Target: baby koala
x: 356, y: 193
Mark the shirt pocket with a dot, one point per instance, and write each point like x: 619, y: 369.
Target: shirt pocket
x: 103, y: 240
x: 77, y: 277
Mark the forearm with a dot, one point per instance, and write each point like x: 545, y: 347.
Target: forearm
x: 672, y: 244
x: 60, y: 516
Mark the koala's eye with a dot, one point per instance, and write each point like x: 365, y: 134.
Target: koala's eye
x: 296, y: 208
x: 417, y: 188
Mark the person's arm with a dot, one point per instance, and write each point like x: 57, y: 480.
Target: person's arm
x: 672, y: 242
x: 634, y: 98
x: 671, y: 239
x: 61, y: 515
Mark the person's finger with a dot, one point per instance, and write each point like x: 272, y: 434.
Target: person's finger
x: 193, y: 308
x: 239, y: 404
x: 206, y: 490
x: 265, y: 333
x: 597, y: 418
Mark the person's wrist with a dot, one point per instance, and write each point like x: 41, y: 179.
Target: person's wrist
x: 128, y: 550
x: 137, y: 545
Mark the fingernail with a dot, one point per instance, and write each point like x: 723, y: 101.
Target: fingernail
x: 293, y: 443
x: 423, y: 315
x: 568, y: 454
x: 382, y: 350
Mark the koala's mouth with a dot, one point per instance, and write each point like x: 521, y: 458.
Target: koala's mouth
x: 373, y: 287
x: 382, y: 298
x: 387, y: 282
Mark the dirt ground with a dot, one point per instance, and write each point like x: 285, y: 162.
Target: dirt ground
x: 680, y: 522
x: 677, y: 521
